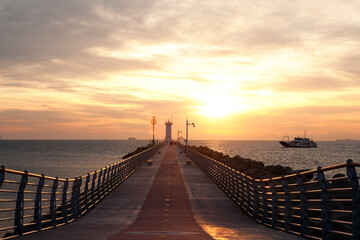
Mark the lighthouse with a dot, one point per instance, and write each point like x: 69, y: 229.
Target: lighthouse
x: 168, y: 125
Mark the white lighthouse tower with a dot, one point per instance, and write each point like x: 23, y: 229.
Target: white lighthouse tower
x: 168, y: 124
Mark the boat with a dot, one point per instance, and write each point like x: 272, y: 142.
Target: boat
x: 298, y: 142
x: 131, y: 139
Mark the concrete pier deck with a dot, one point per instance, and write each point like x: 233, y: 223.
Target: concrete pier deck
x: 168, y: 200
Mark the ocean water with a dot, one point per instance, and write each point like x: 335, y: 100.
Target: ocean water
x: 272, y: 153
x: 72, y: 158
x: 64, y: 158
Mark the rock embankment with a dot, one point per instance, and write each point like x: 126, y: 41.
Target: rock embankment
x: 254, y: 169
x: 138, y: 150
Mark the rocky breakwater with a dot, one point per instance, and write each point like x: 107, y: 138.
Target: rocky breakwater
x: 252, y: 168
x: 136, y: 151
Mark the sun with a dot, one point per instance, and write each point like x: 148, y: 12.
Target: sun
x: 215, y: 108
x: 219, y: 105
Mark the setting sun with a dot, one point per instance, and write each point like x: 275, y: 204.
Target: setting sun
x: 219, y: 99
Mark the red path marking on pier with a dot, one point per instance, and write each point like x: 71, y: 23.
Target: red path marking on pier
x: 166, y: 213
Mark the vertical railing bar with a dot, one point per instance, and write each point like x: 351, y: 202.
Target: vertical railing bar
x: 112, y: 177
x: 325, y: 206
x: 53, y: 202
x: 103, y: 183
x: 64, y: 203
x: 106, y: 184
x: 79, y: 195
x: 248, y: 200
x: 98, y: 188
x: 117, y: 174
x: 93, y: 190
x: 19, y: 210
x: 38, y: 203
x: 86, y: 194
x: 2, y: 175
x: 74, y: 198
x: 353, y: 179
x: 287, y: 205
x: 303, y: 206
x: 109, y: 178
x: 274, y: 204
x: 264, y: 201
x: 256, y: 200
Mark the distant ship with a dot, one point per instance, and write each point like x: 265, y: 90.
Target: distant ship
x: 298, y: 142
x: 131, y: 138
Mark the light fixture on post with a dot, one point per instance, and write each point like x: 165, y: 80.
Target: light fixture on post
x: 178, y: 139
x: 187, y: 138
x: 153, y: 122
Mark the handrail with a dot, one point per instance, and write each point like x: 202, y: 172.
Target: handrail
x: 309, y: 204
x: 32, y: 202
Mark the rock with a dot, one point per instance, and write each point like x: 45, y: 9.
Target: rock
x: 254, y: 169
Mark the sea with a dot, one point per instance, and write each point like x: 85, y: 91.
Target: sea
x: 272, y: 153
x: 73, y: 158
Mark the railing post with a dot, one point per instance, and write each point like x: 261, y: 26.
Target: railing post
x: 2, y: 175
x: 75, y: 198
x: 121, y: 171
x: 64, y: 201
x: 38, y: 204
x: 242, y: 191
x: 78, y: 201
x: 353, y: 178
x: 117, y: 174
x: 248, y: 198
x: 256, y: 200
x: 103, y: 184
x: 19, y: 211
x: 274, y: 205
x: 325, y: 206
x: 112, y: 177
x: 93, y: 190
x: 304, y: 218
x: 108, y: 179
x: 287, y: 205
x: 53, y: 202
x: 239, y: 189
x: 86, y: 193
x: 98, y: 188
x: 264, y: 201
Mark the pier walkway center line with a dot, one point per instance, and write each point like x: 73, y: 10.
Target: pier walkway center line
x: 166, y: 213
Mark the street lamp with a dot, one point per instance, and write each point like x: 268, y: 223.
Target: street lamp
x: 153, y: 122
x: 187, y: 139
x: 178, y: 139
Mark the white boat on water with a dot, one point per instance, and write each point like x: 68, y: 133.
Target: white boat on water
x: 298, y: 142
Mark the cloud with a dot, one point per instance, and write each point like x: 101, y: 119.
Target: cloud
x: 88, y: 63
x: 310, y: 84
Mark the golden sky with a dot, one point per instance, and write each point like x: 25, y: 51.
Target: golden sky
x: 239, y: 69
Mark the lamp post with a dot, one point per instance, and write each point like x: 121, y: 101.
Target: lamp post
x: 178, y: 139
x: 187, y: 139
x: 153, y: 122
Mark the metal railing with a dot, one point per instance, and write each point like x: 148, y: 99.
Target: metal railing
x: 310, y: 204
x: 31, y: 202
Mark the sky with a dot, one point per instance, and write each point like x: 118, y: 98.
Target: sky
x: 238, y: 69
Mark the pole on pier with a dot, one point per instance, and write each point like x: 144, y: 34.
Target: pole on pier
x: 178, y: 139
x: 153, y: 122
x: 187, y: 138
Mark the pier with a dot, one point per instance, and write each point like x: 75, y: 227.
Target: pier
x: 172, y: 199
